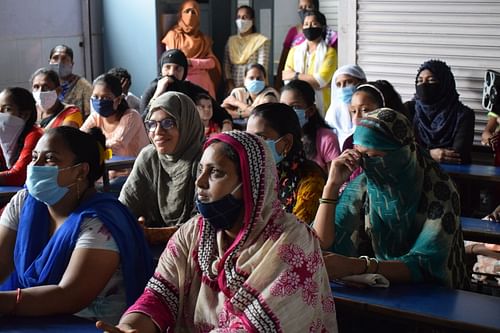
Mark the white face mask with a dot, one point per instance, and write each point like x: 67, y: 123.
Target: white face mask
x: 45, y: 99
x: 10, y: 129
x: 243, y: 25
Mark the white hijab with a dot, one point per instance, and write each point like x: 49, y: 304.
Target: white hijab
x: 338, y: 116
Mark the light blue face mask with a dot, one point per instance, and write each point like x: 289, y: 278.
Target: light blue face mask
x: 41, y: 181
x: 301, y: 114
x: 345, y: 94
x: 272, y: 145
x: 255, y: 86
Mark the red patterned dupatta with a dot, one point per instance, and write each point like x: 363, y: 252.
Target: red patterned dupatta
x: 271, y: 278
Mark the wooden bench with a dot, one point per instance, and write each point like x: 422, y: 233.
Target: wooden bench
x: 427, y: 306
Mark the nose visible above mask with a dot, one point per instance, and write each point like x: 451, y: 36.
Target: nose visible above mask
x: 344, y: 95
x: 222, y: 214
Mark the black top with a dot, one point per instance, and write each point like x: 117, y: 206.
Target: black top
x: 464, y: 134
x: 191, y: 90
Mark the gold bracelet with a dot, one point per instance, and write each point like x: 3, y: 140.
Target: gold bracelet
x: 368, y: 263
x: 328, y: 201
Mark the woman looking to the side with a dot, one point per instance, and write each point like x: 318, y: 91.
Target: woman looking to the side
x: 64, y: 247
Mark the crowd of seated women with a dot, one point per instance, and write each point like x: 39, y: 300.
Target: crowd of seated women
x: 252, y: 223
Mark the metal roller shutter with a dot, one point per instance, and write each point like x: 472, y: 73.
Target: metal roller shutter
x: 395, y: 37
x: 330, y: 9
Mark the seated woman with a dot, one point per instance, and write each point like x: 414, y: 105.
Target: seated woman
x: 320, y: 143
x: 160, y: 189
x: 247, y: 47
x: 75, y: 90
x: 412, y: 209
x: 123, y: 127
x: 242, y: 100
x: 18, y: 136
x: 173, y: 73
x: 344, y: 82
x: 442, y: 124
x: 300, y: 180
x: 229, y: 269
x: 313, y: 61
x: 64, y: 248
x: 46, y: 87
x: 205, y: 110
x: 204, y: 67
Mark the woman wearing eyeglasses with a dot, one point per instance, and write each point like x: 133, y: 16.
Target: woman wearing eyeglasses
x: 160, y: 189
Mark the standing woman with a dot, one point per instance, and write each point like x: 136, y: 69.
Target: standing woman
x: 242, y: 100
x: 245, y: 48
x: 46, y: 87
x: 300, y: 180
x: 313, y: 61
x: 160, y: 189
x: 204, y: 68
x: 18, y: 136
x: 121, y: 125
x: 64, y: 247
x: 442, y: 124
x: 320, y: 143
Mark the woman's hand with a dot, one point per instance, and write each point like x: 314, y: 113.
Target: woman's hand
x: 162, y: 85
x: 494, y: 141
x: 444, y: 155
x: 342, y: 167
x: 495, y: 215
x: 339, y: 266
x: 230, y: 102
x: 287, y: 75
x: 120, y: 328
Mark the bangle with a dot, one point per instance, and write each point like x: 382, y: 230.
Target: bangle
x: 472, y: 248
x: 376, y: 267
x: 19, y: 296
x: 328, y: 201
x: 368, y: 263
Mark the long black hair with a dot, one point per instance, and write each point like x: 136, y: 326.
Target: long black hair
x: 315, y: 122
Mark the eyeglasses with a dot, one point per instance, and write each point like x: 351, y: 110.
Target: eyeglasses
x: 166, y: 124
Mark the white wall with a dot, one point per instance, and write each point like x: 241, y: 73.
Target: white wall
x: 29, y: 29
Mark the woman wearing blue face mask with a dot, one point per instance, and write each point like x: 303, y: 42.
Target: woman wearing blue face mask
x: 320, y: 143
x: 123, y: 127
x: 411, y: 209
x: 344, y: 83
x: 228, y: 268
x: 300, y: 180
x: 242, y: 100
x: 65, y: 248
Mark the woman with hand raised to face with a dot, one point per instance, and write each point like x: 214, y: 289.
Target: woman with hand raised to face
x: 411, y: 207
x: 229, y: 268
x: 65, y: 248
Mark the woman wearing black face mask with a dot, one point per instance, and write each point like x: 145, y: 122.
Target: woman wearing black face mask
x: 313, y: 61
x: 442, y: 124
x: 230, y: 267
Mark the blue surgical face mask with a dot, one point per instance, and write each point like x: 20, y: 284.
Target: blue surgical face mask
x: 103, y: 107
x: 255, y: 86
x: 41, y: 181
x: 345, y: 94
x: 301, y: 114
x: 272, y: 145
x: 223, y: 213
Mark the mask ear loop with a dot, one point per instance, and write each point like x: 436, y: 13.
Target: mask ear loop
x: 236, y: 188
